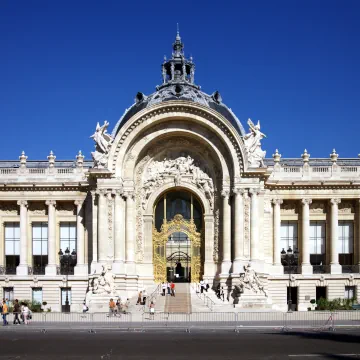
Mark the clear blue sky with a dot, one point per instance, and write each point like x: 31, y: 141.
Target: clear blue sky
x: 65, y: 65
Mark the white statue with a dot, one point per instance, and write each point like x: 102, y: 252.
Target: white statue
x: 105, y: 283
x: 252, y: 142
x: 250, y: 281
x: 103, y: 142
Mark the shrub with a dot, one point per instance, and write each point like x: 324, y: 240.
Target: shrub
x: 312, y: 301
x: 34, y: 306
x: 336, y: 304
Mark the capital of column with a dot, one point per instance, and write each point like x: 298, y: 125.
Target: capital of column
x: 335, y: 201
x: 129, y: 194
x: 306, y: 201
x: 22, y: 203
x: 277, y: 201
x: 50, y: 202
x: 101, y: 192
x: 225, y: 193
x: 118, y: 192
x: 254, y: 191
x: 239, y: 191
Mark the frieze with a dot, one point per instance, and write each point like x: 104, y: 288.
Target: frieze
x: 346, y: 207
x: 66, y: 208
x: 288, y: 208
x: 317, y: 207
x: 37, y: 208
x: 9, y: 208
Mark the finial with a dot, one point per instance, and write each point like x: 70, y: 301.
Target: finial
x: 79, y: 159
x: 23, y: 159
x: 51, y: 159
x: 177, y: 29
x: 305, y: 156
x: 277, y: 156
x: 334, y: 156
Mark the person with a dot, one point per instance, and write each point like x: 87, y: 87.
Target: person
x: 22, y: 312
x: 26, y: 313
x: 163, y: 287
x: 118, y: 305
x: 222, y: 293
x: 127, y: 305
x: 139, y: 298
x: 168, y: 288
x: 202, y: 285
x: 5, y: 311
x: 207, y: 286
x: 144, y: 296
x: 85, y: 307
x: 16, y: 312
x: 152, y: 309
x: 112, y: 307
x: 172, y: 286
x: 218, y: 291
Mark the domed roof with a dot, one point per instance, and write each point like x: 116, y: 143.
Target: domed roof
x: 178, y: 84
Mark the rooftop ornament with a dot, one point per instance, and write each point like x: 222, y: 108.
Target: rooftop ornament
x: 305, y: 156
x: 276, y: 156
x: 334, y: 156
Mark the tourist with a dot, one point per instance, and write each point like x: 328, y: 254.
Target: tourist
x: 118, y: 305
x: 218, y: 291
x: 127, y: 306
x: 112, y: 307
x: 207, y: 286
x: 85, y: 307
x: 144, y: 296
x: 139, y: 298
x: 168, y: 288
x: 16, y: 312
x: 152, y: 309
x: 172, y: 286
x: 222, y: 293
x: 26, y: 314
x: 202, y: 285
x: 5, y: 311
x: 163, y: 287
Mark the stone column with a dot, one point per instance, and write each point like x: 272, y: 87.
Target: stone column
x: 102, y: 226
x: 209, y: 265
x: 254, y: 225
x: 119, y: 233
x: 357, y: 238
x: 80, y: 268
x: 23, y: 268
x: 226, y: 233
x: 94, y: 227
x: 277, y: 237
x: 130, y: 232
x: 306, y: 267
x: 52, y: 253
x: 239, y: 231
x: 335, y: 267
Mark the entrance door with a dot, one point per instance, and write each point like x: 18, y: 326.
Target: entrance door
x: 292, y: 298
x: 320, y: 292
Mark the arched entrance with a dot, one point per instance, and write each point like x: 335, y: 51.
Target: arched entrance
x: 177, y: 238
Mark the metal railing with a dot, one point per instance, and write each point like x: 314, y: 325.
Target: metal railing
x: 207, y: 301
x: 321, y: 269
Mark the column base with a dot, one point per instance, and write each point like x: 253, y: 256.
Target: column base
x: 306, y: 269
x: 277, y: 269
x: 81, y: 270
x: 335, y: 269
x: 22, y: 270
x: 118, y: 267
x: 50, y: 270
x: 225, y: 267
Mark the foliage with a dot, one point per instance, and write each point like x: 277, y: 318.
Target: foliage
x: 309, y: 309
x: 34, y: 306
x: 336, y: 304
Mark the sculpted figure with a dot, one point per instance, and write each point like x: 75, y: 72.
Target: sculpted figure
x: 252, y: 142
x: 105, y: 283
x: 102, y: 145
x: 249, y: 280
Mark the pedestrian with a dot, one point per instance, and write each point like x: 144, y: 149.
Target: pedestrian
x: 5, y: 311
x: 139, y: 298
x: 222, y: 294
x: 218, y: 291
x: 16, y: 312
x: 127, y: 305
x: 22, y: 312
x: 144, y: 296
x: 168, y: 288
x: 118, y: 305
x: 163, y: 287
x: 26, y: 313
x: 112, y: 307
x: 202, y: 285
x: 172, y: 287
x: 152, y: 309
x: 207, y: 286
x: 85, y: 307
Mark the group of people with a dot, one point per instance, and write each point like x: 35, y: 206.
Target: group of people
x: 18, y: 309
x: 142, y: 298
x: 118, y: 307
x: 204, y: 286
x: 168, y: 287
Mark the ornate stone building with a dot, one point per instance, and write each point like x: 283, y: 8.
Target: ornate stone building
x: 179, y: 190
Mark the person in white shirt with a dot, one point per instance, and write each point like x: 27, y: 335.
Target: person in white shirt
x: 26, y: 312
x: 202, y: 285
x: 163, y: 287
x: 85, y: 308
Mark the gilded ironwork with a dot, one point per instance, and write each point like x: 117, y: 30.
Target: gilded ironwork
x: 177, y: 224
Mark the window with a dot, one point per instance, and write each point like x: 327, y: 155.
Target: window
x: 37, y: 295
x: 12, y: 246
x: 289, y: 235
x: 67, y: 236
x: 63, y: 295
x: 346, y: 242
x: 349, y: 292
x: 9, y: 293
x: 40, y: 247
x: 317, y: 242
x: 320, y: 293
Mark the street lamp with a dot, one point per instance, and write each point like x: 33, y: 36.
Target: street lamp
x: 67, y: 260
x: 290, y: 259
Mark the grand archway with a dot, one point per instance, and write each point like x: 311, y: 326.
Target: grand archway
x: 177, y: 238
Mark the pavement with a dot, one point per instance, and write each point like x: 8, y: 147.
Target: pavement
x: 175, y: 344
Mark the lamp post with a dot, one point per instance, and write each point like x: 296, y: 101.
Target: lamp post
x: 67, y: 260
x: 290, y: 259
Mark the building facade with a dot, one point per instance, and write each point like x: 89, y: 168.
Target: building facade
x: 179, y: 190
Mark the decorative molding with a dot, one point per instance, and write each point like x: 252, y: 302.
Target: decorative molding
x: 246, y: 225
x: 37, y: 208
x: 306, y: 201
x: 318, y: 207
x: 335, y: 201
x: 346, y: 207
x: 277, y: 202
x: 254, y: 191
x: 22, y: 203
x: 50, y: 203
x: 9, y: 208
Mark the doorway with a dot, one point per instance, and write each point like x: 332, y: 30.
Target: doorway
x: 292, y: 298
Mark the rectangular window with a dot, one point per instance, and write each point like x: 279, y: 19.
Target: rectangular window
x: 289, y: 235
x: 349, y: 292
x: 317, y: 240
x: 63, y: 295
x: 37, y: 295
x: 68, y: 236
x: 12, y: 246
x: 40, y: 247
x: 346, y: 237
x: 9, y: 293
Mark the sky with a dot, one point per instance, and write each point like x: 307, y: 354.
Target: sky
x: 66, y: 65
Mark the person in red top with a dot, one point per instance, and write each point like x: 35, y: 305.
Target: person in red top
x: 172, y: 287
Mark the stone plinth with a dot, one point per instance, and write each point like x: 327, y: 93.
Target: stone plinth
x: 99, y: 302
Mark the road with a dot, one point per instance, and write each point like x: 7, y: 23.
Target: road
x: 31, y: 344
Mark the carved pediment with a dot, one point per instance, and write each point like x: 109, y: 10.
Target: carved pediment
x: 66, y: 208
x: 37, y: 208
x: 318, y: 207
x: 289, y: 208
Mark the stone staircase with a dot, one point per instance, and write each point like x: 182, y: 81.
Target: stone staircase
x: 181, y: 302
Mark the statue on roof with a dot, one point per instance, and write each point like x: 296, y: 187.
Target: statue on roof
x: 103, y: 142
x: 252, y: 142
